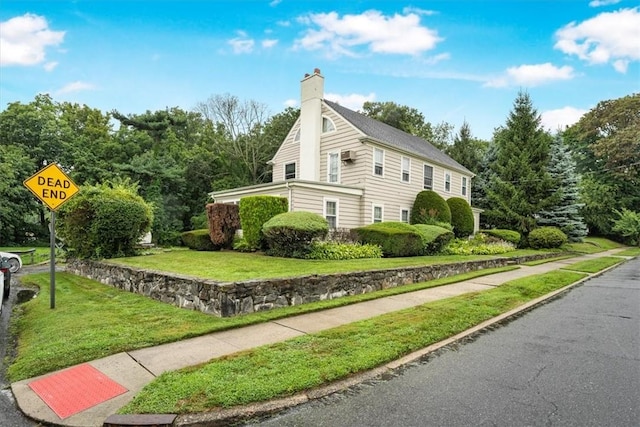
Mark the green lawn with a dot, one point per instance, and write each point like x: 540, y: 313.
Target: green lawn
x: 309, y: 361
x: 630, y: 252
x: 40, y: 255
x: 594, y: 265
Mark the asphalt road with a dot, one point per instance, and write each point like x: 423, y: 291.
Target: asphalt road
x: 572, y: 362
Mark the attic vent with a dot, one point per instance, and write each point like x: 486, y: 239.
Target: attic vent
x: 348, y: 156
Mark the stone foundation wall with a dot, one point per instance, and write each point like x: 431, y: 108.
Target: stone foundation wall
x: 232, y: 298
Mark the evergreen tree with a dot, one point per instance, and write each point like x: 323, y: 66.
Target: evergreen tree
x: 519, y: 188
x: 467, y: 150
x: 565, y: 213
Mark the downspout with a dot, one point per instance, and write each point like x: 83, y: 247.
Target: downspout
x: 290, y: 195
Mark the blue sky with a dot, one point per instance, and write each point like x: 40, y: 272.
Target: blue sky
x: 452, y: 60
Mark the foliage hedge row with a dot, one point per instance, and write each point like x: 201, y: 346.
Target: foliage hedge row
x: 254, y: 212
x: 223, y: 222
x: 434, y: 238
x: 328, y: 250
x: 104, y: 221
x: 199, y: 240
x: 398, y: 239
x: 461, y: 216
x: 428, y: 207
x: 546, y: 238
x: 290, y: 234
x: 502, y: 234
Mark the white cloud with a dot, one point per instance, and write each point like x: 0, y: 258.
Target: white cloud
x: 76, y: 86
x: 242, y: 43
x: 353, y: 101
x: 419, y: 11
x: 559, y: 119
x: 608, y: 37
x: 23, y: 40
x: 531, y: 75
x: 291, y: 103
x: 598, y: 3
x: 274, y: 3
x: 49, y: 66
x: 338, y: 36
x: 269, y: 43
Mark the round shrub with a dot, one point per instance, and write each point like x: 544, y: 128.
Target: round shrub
x: 461, y: 216
x: 104, y: 221
x: 290, y: 234
x: 434, y: 238
x: 502, y: 234
x: 547, y: 238
x: 397, y: 239
x: 199, y: 240
x: 429, y: 207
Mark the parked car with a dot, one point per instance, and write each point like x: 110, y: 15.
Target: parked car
x: 5, y: 274
x: 15, y: 262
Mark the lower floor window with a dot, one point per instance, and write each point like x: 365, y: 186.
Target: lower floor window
x: 404, y: 215
x: 377, y: 213
x: 331, y: 213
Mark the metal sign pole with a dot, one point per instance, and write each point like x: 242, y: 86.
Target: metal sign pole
x: 52, y: 262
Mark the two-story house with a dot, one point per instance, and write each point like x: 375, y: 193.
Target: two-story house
x: 352, y: 169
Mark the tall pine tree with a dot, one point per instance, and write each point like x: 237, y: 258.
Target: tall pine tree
x: 520, y: 185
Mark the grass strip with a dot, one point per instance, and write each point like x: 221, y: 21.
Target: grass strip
x: 309, y: 361
x: 594, y: 265
x: 629, y: 252
x: 544, y: 261
x: 92, y: 320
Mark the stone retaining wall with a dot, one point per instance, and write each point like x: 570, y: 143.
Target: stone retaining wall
x: 232, y: 298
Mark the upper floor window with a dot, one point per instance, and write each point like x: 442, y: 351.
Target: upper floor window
x: 464, y: 186
x: 327, y: 125
x: 447, y: 181
x: 333, y: 167
x: 296, y: 137
x: 378, y: 161
x: 331, y: 213
x: 428, y: 177
x: 377, y: 213
x: 406, y: 168
x: 290, y: 171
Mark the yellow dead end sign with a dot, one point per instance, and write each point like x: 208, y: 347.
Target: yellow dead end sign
x: 52, y: 186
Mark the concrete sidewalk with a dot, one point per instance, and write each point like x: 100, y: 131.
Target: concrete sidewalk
x: 133, y: 370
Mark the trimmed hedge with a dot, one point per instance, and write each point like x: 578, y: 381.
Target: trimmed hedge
x: 434, y: 238
x: 461, y: 216
x: 290, y: 234
x: 546, y: 238
x: 254, y: 212
x: 224, y: 221
x: 428, y: 207
x: 339, y: 251
x: 199, y: 240
x: 502, y: 234
x: 397, y: 239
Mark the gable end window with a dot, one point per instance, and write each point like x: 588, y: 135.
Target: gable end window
x: 333, y: 167
x: 464, y: 186
x: 290, y: 171
x: 378, y: 162
x: 327, y: 125
x: 447, y: 181
x: 406, y: 169
x: 428, y: 177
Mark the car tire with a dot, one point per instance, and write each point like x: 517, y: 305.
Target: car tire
x: 14, y: 265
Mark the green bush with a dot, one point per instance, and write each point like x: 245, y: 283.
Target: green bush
x: 254, y: 212
x: 434, y: 238
x: 199, y: 240
x: 477, y: 246
x: 104, y: 221
x: 547, y: 238
x: 430, y: 206
x: 397, y: 239
x: 506, y: 235
x: 328, y: 250
x: 461, y: 216
x: 290, y: 234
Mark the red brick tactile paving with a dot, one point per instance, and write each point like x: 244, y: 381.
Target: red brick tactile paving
x: 76, y: 389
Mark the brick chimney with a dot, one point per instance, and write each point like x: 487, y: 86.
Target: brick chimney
x: 311, y: 95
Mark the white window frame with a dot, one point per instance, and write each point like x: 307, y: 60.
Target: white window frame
x: 424, y: 176
x: 373, y: 213
x: 295, y: 170
x: 337, y: 160
x: 447, y: 182
x: 463, y: 186
x: 408, y: 211
x: 375, y: 163
x: 324, y: 210
x: 406, y: 170
x: 332, y: 127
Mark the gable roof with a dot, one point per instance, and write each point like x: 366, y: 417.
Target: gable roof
x: 386, y: 134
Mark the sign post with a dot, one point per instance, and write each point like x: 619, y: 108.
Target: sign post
x: 53, y: 187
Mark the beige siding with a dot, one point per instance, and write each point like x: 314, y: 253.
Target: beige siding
x: 288, y: 152
x: 312, y: 200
